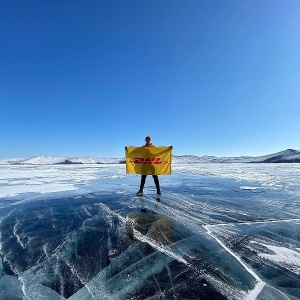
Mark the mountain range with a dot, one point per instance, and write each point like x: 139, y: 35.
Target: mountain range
x: 286, y: 156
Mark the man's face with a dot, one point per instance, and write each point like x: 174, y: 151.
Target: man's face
x: 148, y: 141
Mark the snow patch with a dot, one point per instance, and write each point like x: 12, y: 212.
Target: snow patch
x: 283, y: 256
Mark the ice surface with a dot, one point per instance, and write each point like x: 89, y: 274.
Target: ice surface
x: 217, y: 232
x: 10, y: 288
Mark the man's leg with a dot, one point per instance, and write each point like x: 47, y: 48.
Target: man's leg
x: 156, y: 181
x: 143, y: 180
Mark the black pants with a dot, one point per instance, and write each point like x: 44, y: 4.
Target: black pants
x: 155, y: 178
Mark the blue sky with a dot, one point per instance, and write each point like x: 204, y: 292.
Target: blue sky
x: 210, y: 77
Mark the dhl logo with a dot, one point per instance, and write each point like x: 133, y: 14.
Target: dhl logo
x: 150, y: 161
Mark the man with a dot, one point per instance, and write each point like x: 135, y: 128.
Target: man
x: 143, y: 178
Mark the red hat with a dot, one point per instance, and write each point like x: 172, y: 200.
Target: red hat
x: 148, y: 137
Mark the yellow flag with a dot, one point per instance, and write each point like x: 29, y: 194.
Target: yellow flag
x: 148, y: 160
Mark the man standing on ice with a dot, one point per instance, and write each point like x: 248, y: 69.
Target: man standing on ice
x: 143, y: 178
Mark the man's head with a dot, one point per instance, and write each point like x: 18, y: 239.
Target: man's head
x: 148, y: 140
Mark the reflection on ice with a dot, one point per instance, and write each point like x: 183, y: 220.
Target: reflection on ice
x: 220, y: 237
x: 164, y: 260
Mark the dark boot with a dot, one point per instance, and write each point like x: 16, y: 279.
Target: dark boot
x: 156, y: 181
x: 140, y: 192
x: 143, y: 180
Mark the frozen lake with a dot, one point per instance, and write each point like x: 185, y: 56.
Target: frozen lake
x: 218, y: 231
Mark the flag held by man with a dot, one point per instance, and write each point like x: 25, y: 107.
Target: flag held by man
x: 149, y: 160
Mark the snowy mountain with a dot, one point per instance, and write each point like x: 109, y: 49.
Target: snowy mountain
x: 51, y: 160
x: 286, y: 156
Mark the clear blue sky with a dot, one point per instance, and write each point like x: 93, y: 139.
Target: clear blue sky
x: 210, y: 77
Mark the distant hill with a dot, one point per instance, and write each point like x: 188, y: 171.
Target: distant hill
x: 286, y: 156
x: 54, y: 160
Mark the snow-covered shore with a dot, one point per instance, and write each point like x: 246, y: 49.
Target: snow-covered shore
x: 286, y: 156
